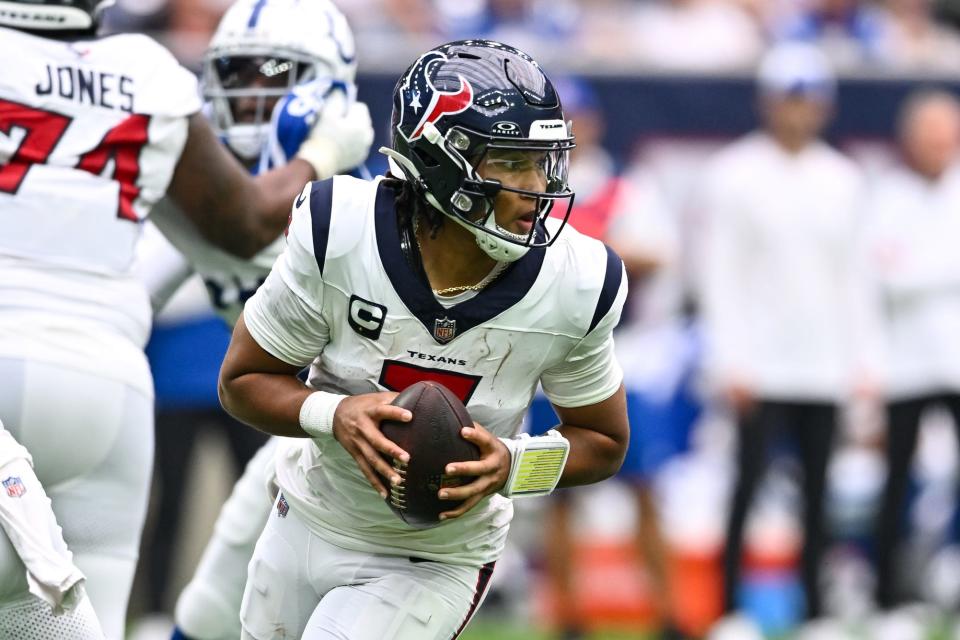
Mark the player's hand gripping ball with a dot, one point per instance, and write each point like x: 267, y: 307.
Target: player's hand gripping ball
x: 433, y: 440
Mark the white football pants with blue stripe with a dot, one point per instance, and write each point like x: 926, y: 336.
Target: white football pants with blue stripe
x: 301, y: 586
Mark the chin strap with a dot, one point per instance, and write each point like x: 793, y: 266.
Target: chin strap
x: 499, y: 250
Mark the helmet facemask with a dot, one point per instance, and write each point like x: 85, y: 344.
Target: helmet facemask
x: 466, y: 171
x: 243, y: 90
x: 536, y: 170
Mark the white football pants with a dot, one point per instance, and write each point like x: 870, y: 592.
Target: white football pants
x: 91, y: 440
x: 300, y: 586
x: 56, y: 605
x: 209, y: 607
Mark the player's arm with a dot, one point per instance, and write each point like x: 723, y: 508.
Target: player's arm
x: 264, y: 392
x: 598, y: 436
x: 586, y: 390
x: 242, y: 214
x: 260, y: 389
x: 233, y: 210
x: 282, y: 329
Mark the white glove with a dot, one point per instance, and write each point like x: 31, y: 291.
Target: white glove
x: 341, y: 138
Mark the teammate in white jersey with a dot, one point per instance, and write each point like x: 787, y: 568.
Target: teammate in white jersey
x: 93, y: 131
x: 449, y: 270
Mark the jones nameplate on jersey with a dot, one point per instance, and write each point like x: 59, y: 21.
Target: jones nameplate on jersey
x: 87, y: 86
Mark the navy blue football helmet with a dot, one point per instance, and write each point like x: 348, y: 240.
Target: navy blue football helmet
x: 454, y: 106
x: 52, y: 15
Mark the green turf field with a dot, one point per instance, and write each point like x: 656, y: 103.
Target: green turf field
x: 489, y: 630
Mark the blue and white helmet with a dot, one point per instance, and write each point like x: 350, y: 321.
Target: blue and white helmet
x: 260, y: 51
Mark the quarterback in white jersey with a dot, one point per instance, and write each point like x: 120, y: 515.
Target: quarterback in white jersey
x: 456, y: 274
x: 93, y: 131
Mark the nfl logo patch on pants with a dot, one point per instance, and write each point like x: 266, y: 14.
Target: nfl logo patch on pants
x: 14, y: 486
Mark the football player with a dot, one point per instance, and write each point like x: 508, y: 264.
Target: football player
x: 93, y: 131
x: 450, y: 269
x: 242, y: 84
x: 295, y: 54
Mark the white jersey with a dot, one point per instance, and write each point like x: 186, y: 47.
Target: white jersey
x: 344, y: 289
x: 229, y: 280
x: 90, y: 134
x: 784, y: 291
x: 912, y: 238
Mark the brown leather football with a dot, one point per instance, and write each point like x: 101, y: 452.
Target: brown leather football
x: 433, y: 440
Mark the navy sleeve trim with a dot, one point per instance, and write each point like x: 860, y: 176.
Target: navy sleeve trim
x: 611, y: 285
x: 321, y: 206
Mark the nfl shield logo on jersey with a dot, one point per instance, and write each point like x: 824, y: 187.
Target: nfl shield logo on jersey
x: 282, y: 507
x: 14, y: 487
x: 444, y: 329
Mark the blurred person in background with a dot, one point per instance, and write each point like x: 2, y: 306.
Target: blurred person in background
x: 259, y: 53
x: 781, y: 294
x: 850, y: 32
x: 692, y: 35
x: 190, y: 24
x: 182, y: 26
x: 949, y: 12
x: 914, y: 214
x: 98, y: 130
x: 915, y: 42
x: 533, y: 24
x: 629, y: 214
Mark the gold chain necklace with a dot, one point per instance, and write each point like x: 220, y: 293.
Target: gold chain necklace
x: 449, y: 291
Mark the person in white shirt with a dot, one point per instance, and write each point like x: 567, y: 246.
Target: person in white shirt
x: 456, y: 273
x: 95, y: 131
x: 914, y: 214
x: 716, y: 36
x: 780, y: 291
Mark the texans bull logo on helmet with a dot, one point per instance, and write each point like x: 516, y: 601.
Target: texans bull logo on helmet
x: 418, y: 84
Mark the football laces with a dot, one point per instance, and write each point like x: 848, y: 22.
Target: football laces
x: 398, y: 492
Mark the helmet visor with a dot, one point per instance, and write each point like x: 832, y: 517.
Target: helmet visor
x: 537, y: 171
x: 249, y: 86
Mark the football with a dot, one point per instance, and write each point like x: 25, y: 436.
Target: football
x: 433, y: 440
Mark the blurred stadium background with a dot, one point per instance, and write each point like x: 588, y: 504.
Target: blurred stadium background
x: 672, y: 81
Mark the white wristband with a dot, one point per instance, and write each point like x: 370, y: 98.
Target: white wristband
x: 536, y: 464
x: 316, y: 413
